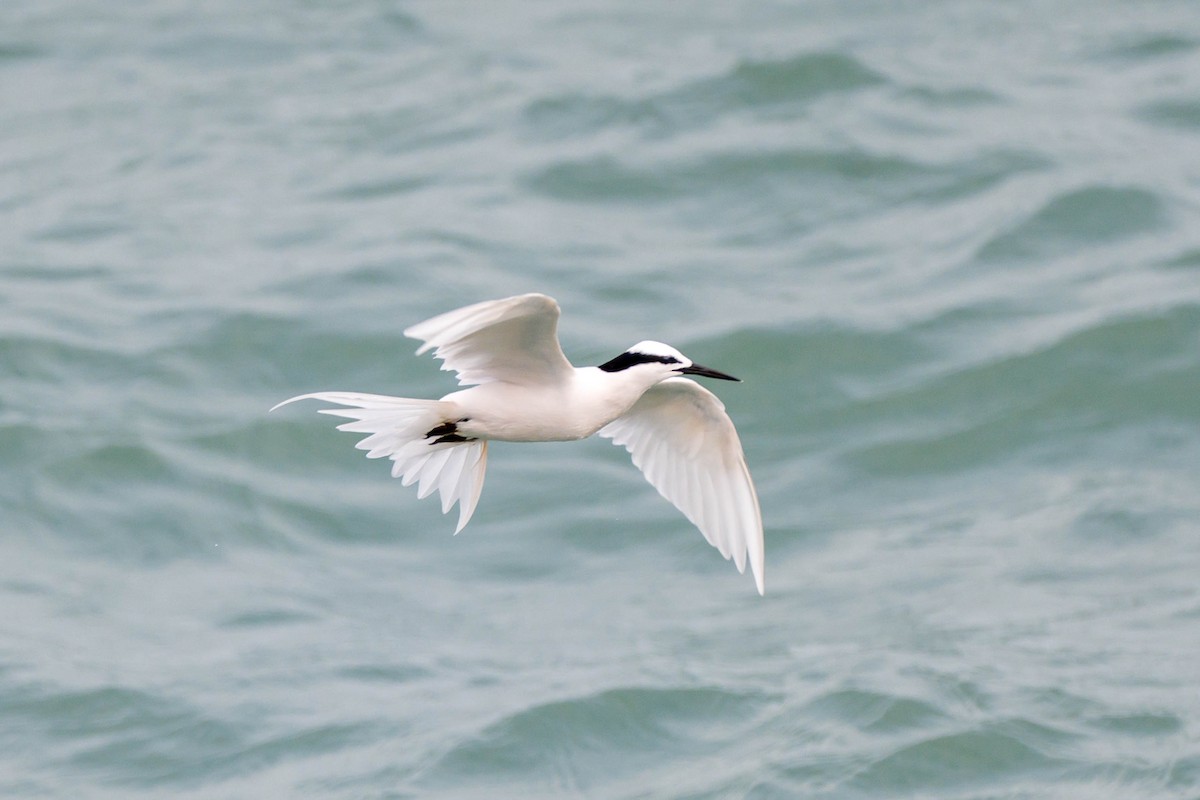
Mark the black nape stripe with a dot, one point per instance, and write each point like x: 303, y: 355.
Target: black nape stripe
x: 628, y: 359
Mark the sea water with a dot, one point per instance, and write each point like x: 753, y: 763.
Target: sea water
x: 952, y: 249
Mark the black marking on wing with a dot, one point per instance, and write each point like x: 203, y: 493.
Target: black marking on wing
x: 448, y: 432
x: 628, y: 359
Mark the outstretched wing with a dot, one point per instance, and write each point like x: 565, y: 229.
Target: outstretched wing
x: 513, y: 340
x: 685, y: 444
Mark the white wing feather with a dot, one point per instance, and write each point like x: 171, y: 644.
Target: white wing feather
x: 513, y: 340
x: 685, y: 444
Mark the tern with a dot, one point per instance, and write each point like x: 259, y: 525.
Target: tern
x: 523, y: 389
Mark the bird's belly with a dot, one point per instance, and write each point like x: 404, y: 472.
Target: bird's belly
x: 518, y: 414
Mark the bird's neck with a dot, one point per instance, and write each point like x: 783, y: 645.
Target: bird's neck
x: 608, y: 395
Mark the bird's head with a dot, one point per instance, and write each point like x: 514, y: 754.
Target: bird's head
x: 658, y: 361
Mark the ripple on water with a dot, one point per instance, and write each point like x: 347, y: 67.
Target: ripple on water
x: 874, y: 712
x: 749, y: 85
x: 85, y: 229
x: 1121, y: 525
x: 39, y: 357
x: 20, y: 51
x: 836, y: 362
x: 267, y: 618
x: 1187, y: 260
x: 257, y: 349
x: 979, y: 756
x: 1183, y: 114
x: 377, y: 189
x: 120, y: 735
x: 86, y: 508
x: 1147, y: 48
x: 1141, y: 725
x: 125, y: 737
x: 226, y: 50
x: 776, y: 194
x: 604, y: 178
x: 1079, y: 219
x: 595, y: 737
x: 806, y: 75
x: 1118, y: 372
x: 955, y: 97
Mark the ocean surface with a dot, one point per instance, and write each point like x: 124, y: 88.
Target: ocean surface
x: 952, y: 249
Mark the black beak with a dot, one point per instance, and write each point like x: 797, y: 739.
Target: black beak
x: 696, y: 369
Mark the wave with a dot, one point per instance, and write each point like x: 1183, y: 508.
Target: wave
x: 598, y: 738
x: 1151, y: 47
x: 980, y: 756
x: 137, y: 739
x: 1115, y: 373
x: 1183, y: 114
x: 766, y: 196
x: 1079, y: 219
x: 747, y: 86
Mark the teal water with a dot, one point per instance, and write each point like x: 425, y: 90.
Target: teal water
x: 953, y: 250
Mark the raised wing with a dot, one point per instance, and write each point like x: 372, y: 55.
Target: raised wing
x: 685, y: 444
x: 513, y: 340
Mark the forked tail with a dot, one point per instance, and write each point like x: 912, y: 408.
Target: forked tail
x: 419, y: 437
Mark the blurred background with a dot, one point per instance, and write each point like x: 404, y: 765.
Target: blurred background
x: 952, y: 249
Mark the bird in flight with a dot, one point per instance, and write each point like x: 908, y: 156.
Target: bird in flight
x: 523, y: 389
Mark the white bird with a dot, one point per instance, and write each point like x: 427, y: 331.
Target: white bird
x: 523, y: 389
